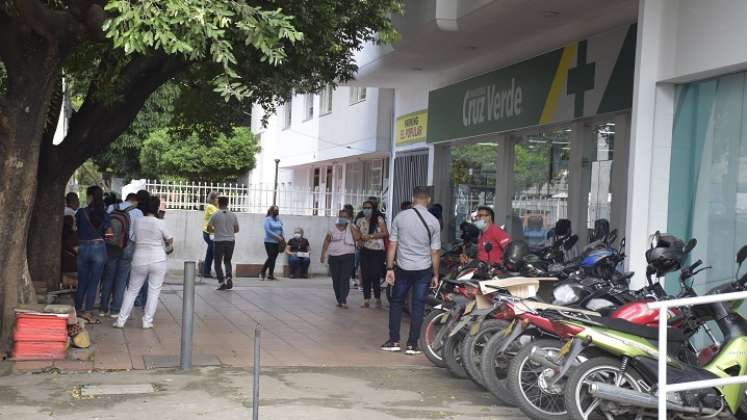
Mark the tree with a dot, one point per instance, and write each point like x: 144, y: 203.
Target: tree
x: 531, y: 166
x: 196, y: 159
x: 116, y: 53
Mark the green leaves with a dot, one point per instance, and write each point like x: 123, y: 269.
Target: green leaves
x: 202, y: 30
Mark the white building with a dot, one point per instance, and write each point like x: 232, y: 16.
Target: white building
x: 335, y: 143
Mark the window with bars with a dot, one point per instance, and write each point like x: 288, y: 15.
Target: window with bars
x: 357, y: 94
x: 325, y: 100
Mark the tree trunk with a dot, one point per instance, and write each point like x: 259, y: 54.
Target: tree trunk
x: 32, y: 75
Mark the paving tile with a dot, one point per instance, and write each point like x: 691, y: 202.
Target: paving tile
x: 74, y: 365
x: 28, y: 365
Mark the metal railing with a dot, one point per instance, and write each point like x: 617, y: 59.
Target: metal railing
x: 258, y: 198
x: 664, y: 387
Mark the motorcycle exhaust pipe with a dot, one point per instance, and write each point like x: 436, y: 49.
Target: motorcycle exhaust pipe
x: 640, y: 399
x: 543, y: 358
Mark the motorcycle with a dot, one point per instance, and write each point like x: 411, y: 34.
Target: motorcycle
x: 624, y: 381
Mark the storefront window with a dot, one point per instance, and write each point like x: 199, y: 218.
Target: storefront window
x: 600, y: 194
x: 473, y: 177
x: 708, y: 173
x: 540, y: 182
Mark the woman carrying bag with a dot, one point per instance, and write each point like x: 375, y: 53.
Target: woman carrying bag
x: 339, y: 244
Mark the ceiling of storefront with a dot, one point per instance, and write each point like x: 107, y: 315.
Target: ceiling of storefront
x: 484, y: 35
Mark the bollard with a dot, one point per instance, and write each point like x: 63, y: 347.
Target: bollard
x: 255, y: 389
x: 188, y: 308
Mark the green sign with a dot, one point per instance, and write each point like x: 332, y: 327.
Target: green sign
x: 582, y: 79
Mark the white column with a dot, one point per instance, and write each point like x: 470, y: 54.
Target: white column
x: 651, y: 137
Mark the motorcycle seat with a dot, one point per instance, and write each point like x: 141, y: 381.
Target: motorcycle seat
x: 673, y: 335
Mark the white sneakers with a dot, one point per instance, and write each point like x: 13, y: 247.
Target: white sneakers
x: 146, y: 325
x: 117, y: 324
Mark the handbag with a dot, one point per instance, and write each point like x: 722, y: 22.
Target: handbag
x: 281, y: 244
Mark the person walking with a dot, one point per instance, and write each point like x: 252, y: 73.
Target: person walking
x: 210, y: 209
x: 373, y: 231
x: 117, y: 269
x: 339, y: 249
x: 274, y: 242
x: 224, y: 226
x: 298, y: 255
x: 148, y: 261
x: 93, y: 228
x: 415, y: 243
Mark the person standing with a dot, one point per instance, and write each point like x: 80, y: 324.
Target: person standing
x: 493, y: 240
x: 298, y: 255
x: 373, y: 231
x: 274, y: 240
x: 148, y: 261
x: 72, y: 202
x: 142, y: 199
x: 339, y: 245
x: 93, y: 228
x: 223, y: 225
x: 210, y: 209
x: 117, y: 270
x: 415, y: 243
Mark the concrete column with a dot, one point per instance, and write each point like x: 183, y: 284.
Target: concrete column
x: 441, y: 181
x: 579, y: 178
x: 650, y: 138
x: 504, y: 180
x: 619, y: 176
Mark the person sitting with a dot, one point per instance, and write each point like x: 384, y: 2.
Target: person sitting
x: 298, y: 255
x: 493, y: 240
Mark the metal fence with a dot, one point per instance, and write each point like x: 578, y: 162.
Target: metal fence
x: 258, y: 198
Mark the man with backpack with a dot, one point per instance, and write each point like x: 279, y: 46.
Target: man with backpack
x: 120, y: 250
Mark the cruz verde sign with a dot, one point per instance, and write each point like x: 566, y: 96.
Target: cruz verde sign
x: 585, y: 78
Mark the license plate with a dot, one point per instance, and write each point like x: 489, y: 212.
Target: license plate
x: 507, y: 331
x: 565, y: 349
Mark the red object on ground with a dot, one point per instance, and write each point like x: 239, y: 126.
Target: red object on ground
x: 40, y: 336
x: 40, y: 350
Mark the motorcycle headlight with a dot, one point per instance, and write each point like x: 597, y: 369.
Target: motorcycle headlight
x: 565, y: 295
x: 597, y: 305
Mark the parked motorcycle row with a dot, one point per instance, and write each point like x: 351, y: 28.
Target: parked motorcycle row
x: 565, y: 338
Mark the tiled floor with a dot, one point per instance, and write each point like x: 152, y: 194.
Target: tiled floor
x: 300, y: 327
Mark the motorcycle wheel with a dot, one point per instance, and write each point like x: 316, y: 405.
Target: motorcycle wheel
x: 494, y: 367
x: 432, y: 324
x: 605, y: 369
x: 474, y: 345
x: 453, y: 355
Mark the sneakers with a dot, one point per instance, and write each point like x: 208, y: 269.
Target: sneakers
x: 391, y: 346
x: 114, y: 315
x: 412, y: 350
x: 117, y: 324
x: 222, y: 286
x: 229, y: 283
x: 147, y: 325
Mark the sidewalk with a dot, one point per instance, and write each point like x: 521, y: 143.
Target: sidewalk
x: 225, y: 393
x: 301, y: 326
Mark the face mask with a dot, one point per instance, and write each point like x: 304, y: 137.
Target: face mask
x: 297, y: 235
x: 341, y: 221
x: 367, y: 212
x: 480, y: 224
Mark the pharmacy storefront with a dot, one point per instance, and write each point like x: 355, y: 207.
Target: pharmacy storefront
x: 539, y: 140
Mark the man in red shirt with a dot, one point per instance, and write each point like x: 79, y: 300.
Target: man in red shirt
x: 491, y: 234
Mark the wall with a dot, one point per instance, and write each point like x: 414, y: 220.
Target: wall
x: 186, y: 227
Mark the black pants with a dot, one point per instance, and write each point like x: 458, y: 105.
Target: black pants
x: 340, y: 267
x: 222, y: 254
x: 272, y: 255
x: 372, y: 270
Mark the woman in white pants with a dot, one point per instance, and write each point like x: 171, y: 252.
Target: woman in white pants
x: 148, y: 262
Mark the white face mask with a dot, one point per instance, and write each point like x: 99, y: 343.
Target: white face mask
x: 480, y: 224
x: 297, y: 235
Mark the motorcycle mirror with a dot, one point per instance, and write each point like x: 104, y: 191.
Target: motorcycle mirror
x: 690, y: 245
x: 742, y: 255
x: 622, y: 245
x: 570, y: 242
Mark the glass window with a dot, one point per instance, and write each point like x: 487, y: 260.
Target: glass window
x: 708, y: 173
x: 357, y: 94
x: 600, y: 194
x: 325, y: 100
x: 540, y: 184
x: 473, y: 178
x: 287, y: 113
x: 309, y: 106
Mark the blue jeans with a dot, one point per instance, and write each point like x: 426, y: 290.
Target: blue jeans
x: 208, y: 263
x: 298, y: 266
x: 116, y: 276
x: 91, y: 262
x: 419, y: 280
